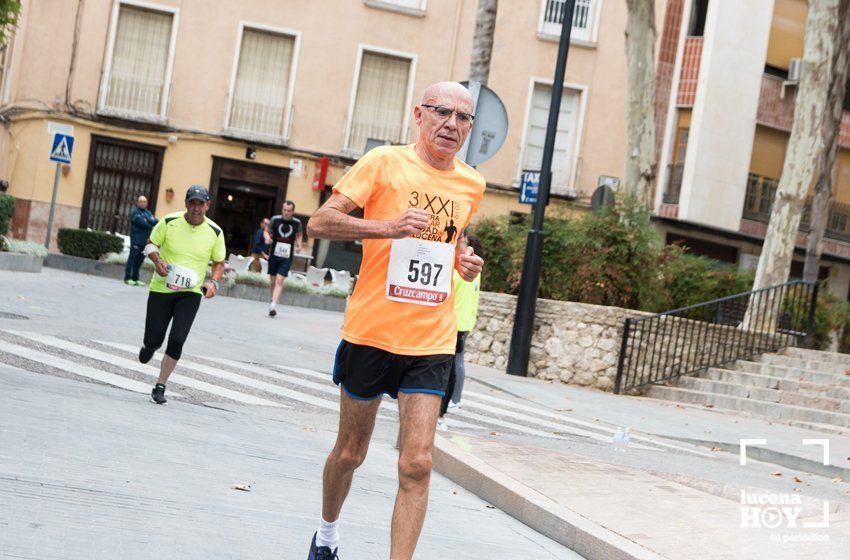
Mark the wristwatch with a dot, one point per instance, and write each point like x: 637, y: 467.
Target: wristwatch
x: 214, y: 283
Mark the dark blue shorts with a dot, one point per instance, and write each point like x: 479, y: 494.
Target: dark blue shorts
x: 367, y: 373
x: 279, y: 266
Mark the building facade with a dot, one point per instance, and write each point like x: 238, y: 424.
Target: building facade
x: 728, y: 76
x: 268, y: 100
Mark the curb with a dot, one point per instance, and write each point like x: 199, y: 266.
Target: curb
x: 19, y: 262
x: 768, y: 455
x: 237, y: 291
x: 545, y: 516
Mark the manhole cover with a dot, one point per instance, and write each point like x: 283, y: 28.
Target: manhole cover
x: 4, y: 315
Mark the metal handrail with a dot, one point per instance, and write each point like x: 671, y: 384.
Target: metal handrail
x: 667, y: 345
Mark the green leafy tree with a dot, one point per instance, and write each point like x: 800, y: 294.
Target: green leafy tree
x: 9, y: 12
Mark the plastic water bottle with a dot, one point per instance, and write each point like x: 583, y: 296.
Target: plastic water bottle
x: 617, y: 442
x: 625, y: 440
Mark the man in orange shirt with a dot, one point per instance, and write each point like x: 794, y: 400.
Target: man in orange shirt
x: 399, y: 332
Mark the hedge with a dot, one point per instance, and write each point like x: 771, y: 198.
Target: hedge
x: 618, y: 259
x: 88, y: 244
x: 7, y: 210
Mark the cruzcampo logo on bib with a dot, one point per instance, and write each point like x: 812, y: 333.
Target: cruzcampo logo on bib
x: 420, y: 271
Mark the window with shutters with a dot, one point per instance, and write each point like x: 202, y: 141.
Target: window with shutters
x: 585, y: 16
x: 566, y: 137
x: 139, y: 60
x: 380, y: 105
x: 263, y: 80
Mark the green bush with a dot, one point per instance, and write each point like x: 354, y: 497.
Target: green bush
x: 504, y: 244
x: 692, y: 279
x: 88, y: 244
x: 832, y: 316
x: 7, y: 210
x: 614, y: 258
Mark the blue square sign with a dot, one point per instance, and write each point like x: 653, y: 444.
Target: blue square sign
x: 529, y: 185
x: 63, y: 146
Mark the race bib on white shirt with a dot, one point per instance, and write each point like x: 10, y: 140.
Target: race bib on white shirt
x: 282, y: 250
x: 181, y: 278
x: 420, y: 272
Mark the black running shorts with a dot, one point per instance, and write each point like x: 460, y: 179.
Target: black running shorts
x: 366, y: 373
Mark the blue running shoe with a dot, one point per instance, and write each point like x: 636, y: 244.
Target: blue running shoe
x: 321, y: 552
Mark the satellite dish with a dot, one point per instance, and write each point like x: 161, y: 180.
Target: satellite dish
x: 602, y: 198
x: 490, y: 128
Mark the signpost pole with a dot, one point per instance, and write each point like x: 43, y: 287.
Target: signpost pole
x: 520, y: 349
x: 52, y: 207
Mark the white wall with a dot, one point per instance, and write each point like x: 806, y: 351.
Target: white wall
x: 723, y: 122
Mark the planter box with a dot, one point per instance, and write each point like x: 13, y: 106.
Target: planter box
x: 18, y: 262
x: 261, y: 293
x: 241, y: 291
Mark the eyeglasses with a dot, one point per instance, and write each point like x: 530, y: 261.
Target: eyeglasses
x: 445, y: 113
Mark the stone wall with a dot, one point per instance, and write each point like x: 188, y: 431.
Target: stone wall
x: 578, y: 343
x: 575, y: 343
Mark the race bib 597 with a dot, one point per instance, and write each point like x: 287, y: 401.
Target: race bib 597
x: 420, y: 272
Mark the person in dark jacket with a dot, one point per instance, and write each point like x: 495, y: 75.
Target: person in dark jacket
x: 260, y: 246
x: 141, y: 224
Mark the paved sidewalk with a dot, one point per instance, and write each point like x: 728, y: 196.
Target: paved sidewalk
x: 93, y: 473
x: 645, y: 503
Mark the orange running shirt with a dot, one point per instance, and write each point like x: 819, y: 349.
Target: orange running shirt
x: 385, y: 183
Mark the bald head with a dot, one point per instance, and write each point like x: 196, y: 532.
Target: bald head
x: 435, y: 93
x: 142, y: 202
x: 445, y: 119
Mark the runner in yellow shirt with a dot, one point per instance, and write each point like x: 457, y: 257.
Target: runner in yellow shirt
x: 399, y: 333
x: 181, y: 247
x: 466, y: 310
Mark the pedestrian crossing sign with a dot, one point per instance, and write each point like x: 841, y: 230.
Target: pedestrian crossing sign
x: 63, y: 146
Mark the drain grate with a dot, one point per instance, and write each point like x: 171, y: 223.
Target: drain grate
x: 4, y: 315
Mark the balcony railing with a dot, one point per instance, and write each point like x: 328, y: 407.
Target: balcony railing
x: 776, y: 108
x: 758, y: 203
x: 553, y: 16
x: 674, y: 183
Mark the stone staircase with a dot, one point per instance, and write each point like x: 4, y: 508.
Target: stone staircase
x: 805, y: 388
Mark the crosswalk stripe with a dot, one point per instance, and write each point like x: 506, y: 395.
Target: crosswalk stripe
x: 575, y: 421
x: 488, y: 415
x: 568, y: 424
x: 531, y: 420
x: 147, y: 370
x: 505, y: 424
x: 186, y: 362
x: 483, y: 408
x: 76, y: 369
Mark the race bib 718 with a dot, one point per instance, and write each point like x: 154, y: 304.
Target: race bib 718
x: 181, y: 278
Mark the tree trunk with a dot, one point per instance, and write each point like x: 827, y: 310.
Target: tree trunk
x: 805, y: 144
x: 640, y: 54
x: 826, y: 161
x: 482, y: 41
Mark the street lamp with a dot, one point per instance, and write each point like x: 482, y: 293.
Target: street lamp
x: 520, y: 349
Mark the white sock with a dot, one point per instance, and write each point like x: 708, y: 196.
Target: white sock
x: 272, y: 305
x: 328, y: 534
